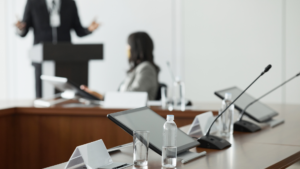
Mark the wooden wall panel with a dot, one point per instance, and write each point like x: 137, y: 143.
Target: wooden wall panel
x: 59, y: 135
x: 27, y: 142
x: 55, y: 136
x: 7, y: 142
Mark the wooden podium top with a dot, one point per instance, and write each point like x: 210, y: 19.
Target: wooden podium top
x: 48, y: 136
x: 65, y: 52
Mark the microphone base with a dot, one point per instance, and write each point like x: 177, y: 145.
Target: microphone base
x: 213, y: 142
x: 245, y: 126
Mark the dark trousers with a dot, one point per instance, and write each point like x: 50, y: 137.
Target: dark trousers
x: 38, y: 81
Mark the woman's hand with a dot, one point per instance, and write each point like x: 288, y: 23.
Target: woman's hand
x: 86, y: 89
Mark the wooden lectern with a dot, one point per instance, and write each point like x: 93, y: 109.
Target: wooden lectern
x: 71, y: 60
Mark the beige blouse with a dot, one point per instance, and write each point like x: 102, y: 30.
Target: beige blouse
x: 142, y: 78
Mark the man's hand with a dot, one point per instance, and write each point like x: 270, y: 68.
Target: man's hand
x: 20, y: 25
x: 94, y: 25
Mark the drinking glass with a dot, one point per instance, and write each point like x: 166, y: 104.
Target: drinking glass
x: 164, y: 99
x: 140, y: 148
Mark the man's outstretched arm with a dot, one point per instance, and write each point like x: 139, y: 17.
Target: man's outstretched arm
x: 24, y: 25
x: 80, y: 31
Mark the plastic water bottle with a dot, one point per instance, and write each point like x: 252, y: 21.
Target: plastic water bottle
x: 179, y: 94
x: 227, y: 117
x: 169, y: 149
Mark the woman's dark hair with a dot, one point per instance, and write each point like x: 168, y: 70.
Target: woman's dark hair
x: 141, y: 49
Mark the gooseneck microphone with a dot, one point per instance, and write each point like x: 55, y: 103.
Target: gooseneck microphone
x: 214, y: 142
x: 245, y: 126
x: 171, y: 72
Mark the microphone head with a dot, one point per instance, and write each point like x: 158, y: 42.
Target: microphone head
x: 267, y: 68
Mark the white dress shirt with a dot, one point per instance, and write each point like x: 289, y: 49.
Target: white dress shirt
x: 54, y: 12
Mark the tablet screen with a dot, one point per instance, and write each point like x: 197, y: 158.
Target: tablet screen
x: 258, y: 111
x: 146, y: 119
x: 63, y: 84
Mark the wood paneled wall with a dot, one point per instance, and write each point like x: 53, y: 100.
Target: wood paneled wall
x: 7, y: 149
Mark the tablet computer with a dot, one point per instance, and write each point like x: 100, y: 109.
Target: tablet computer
x: 63, y: 84
x: 259, y: 112
x: 146, y: 119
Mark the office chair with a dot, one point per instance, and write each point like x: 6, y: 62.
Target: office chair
x: 158, y: 95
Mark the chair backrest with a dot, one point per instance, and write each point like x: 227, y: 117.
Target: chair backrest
x: 158, y: 95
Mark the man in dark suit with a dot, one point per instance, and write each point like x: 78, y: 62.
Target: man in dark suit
x: 52, y: 21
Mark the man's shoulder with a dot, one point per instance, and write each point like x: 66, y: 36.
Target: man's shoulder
x: 69, y: 1
x: 33, y: 1
x: 41, y: 1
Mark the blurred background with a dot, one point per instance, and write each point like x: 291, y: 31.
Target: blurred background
x: 211, y: 45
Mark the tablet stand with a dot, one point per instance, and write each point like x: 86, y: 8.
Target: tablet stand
x: 56, y: 99
x: 274, y: 122
x: 65, y: 96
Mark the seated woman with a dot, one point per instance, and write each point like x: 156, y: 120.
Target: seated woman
x: 143, y: 73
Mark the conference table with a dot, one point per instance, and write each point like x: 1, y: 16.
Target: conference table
x: 33, y: 137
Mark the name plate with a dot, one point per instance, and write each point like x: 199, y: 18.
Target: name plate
x: 93, y: 155
x: 201, y: 124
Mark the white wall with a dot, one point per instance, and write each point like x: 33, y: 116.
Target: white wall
x: 228, y: 43
x: 3, y: 82
x: 212, y: 44
x: 20, y: 72
x: 292, y: 54
x: 119, y: 18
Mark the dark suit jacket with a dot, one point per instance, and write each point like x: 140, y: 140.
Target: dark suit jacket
x: 37, y: 16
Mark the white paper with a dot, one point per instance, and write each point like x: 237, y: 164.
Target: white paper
x: 92, y: 155
x: 125, y: 100
x: 95, y: 154
x: 202, y: 123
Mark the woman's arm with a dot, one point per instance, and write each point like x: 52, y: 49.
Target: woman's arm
x: 145, y: 80
x: 86, y: 89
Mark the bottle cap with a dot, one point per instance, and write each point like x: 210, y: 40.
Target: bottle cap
x: 228, y: 96
x: 170, y: 117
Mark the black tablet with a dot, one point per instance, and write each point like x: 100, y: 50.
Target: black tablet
x: 146, y: 119
x: 259, y: 112
x: 63, y: 84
